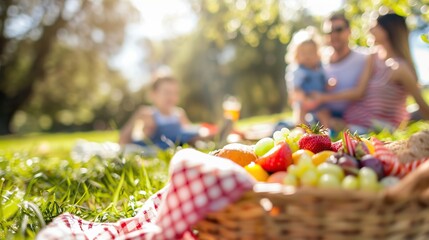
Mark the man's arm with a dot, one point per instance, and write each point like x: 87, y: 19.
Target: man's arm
x: 354, y: 93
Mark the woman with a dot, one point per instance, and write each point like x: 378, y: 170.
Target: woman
x: 388, y: 78
x: 163, y: 124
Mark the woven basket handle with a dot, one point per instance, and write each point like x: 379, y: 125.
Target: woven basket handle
x: 415, y: 184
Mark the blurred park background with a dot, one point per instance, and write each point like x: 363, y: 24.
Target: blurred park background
x: 81, y: 65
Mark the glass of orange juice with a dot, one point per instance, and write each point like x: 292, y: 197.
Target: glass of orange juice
x: 231, y: 108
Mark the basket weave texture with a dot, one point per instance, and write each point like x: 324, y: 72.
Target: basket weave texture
x: 274, y: 211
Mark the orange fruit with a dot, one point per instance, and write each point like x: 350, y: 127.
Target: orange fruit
x: 257, y: 172
x: 321, y: 157
x: 237, y: 152
x: 299, y: 153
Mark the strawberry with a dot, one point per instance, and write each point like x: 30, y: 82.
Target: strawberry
x: 337, y: 146
x: 315, y: 139
x: 276, y: 159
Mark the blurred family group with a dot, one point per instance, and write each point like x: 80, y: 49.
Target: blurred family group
x: 359, y: 89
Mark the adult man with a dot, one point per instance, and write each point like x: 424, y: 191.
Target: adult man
x: 345, y: 65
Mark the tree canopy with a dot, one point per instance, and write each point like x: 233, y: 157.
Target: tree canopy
x: 54, y: 58
x: 238, y: 49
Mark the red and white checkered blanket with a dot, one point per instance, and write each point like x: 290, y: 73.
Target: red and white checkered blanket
x: 199, y: 184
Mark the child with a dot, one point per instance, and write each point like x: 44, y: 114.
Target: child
x: 163, y: 124
x: 305, y: 75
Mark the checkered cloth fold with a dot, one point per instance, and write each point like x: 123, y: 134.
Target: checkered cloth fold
x: 199, y: 184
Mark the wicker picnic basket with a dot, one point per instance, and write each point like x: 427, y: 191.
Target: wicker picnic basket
x: 274, y: 211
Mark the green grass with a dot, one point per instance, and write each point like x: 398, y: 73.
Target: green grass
x: 56, y: 140
x: 38, y: 174
x: 37, y: 170
x: 245, y: 123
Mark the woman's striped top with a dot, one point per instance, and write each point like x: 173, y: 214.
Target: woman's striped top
x: 384, y: 101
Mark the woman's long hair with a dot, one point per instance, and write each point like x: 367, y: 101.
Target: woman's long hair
x: 398, y: 34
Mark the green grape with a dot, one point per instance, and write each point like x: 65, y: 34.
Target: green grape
x: 367, y: 173
x: 293, y: 145
x: 285, y: 131
x: 350, y: 182
x: 301, y: 169
x: 309, y: 178
x: 368, y: 184
x: 290, y: 180
x: 389, y: 181
x: 295, y: 135
x: 303, y: 166
x: 328, y: 180
x: 292, y: 170
x: 263, y: 146
x: 281, y: 136
x: 305, y: 160
x: 331, y: 169
x: 278, y: 137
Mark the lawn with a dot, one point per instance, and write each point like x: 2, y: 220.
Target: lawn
x: 37, y: 170
x: 39, y: 179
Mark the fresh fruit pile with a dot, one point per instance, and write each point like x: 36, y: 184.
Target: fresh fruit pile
x: 306, y: 156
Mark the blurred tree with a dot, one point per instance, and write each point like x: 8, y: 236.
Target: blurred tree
x: 237, y: 49
x: 361, y: 11
x: 44, y: 44
x: 77, y: 94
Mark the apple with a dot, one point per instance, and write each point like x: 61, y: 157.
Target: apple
x: 277, y: 159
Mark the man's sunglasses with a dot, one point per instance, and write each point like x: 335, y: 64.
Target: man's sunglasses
x: 338, y: 29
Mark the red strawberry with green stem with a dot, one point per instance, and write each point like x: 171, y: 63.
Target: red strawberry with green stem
x: 315, y: 139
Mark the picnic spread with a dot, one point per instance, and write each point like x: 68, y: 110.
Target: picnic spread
x: 361, y: 189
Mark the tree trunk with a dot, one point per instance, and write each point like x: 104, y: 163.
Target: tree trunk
x: 7, y: 110
x: 9, y: 105
x: 5, y: 121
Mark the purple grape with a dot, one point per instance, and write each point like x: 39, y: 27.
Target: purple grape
x: 373, y: 163
x: 334, y: 158
x: 349, y: 164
